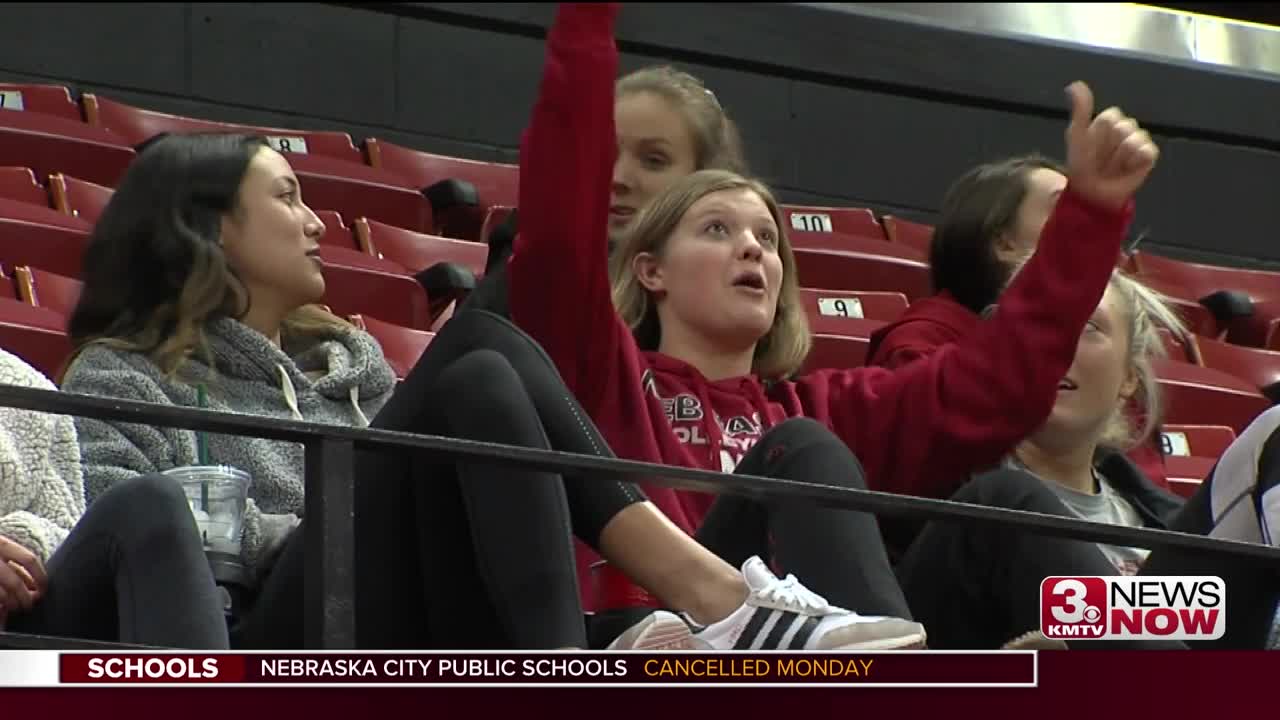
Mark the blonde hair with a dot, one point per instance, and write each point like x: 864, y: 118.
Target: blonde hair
x: 1146, y: 313
x: 716, y: 140
x: 782, y: 350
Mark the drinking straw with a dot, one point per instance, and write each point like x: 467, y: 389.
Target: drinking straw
x: 202, y: 448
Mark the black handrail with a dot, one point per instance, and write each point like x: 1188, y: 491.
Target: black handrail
x: 329, y: 476
x: 614, y: 469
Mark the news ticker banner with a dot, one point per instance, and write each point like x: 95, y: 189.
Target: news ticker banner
x: 52, y: 668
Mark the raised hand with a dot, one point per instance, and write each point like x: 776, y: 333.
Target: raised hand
x: 1109, y: 156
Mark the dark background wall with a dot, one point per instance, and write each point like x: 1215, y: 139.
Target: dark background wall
x: 836, y: 106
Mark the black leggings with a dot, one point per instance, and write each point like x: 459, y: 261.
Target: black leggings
x: 836, y: 553
x: 978, y: 585
x: 133, y: 570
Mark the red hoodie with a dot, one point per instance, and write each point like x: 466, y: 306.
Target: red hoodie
x: 928, y: 324
x: 916, y: 430
x: 935, y: 321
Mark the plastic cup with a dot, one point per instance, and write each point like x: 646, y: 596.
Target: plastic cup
x: 219, y: 509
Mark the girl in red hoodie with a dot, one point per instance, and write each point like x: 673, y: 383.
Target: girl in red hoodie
x: 688, y: 369
x: 708, y: 314
x: 655, y: 147
x: 991, y: 218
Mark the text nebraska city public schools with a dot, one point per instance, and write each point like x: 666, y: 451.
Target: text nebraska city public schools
x: 780, y: 667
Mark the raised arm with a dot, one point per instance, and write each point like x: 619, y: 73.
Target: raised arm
x: 558, y: 273
x: 921, y: 428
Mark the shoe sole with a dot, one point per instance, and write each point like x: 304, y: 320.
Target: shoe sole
x: 660, y: 631
x: 904, y: 642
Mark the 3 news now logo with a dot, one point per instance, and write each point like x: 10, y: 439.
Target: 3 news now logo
x: 1133, y: 608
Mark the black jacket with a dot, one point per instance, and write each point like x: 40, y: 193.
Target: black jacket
x: 1156, y: 505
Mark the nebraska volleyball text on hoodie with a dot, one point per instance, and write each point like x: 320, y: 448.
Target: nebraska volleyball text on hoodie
x: 916, y: 429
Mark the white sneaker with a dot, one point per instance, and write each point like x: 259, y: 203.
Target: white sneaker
x: 785, y: 615
x: 777, y: 615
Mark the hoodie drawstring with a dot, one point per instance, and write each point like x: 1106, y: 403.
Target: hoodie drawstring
x: 355, y: 403
x: 291, y: 398
x: 290, y: 394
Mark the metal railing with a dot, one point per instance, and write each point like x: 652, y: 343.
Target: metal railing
x: 330, y: 474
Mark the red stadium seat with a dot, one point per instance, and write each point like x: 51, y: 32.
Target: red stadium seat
x: 858, y: 222
x: 842, y: 242
x: 1196, y: 440
x: 40, y: 288
x: 494, y: 183
x: 52, y: 100
x: 1259, y: 367
x: 401, y: 346
x: 336, y: 232
x: 844, y: 304
x: 136, y: 125
x: 49, y: 144
x: 841, y: 343
x: 1185, y: 474
x: 1199, y: 280
x: 34, y: 334
x: 1179, y: 350
x: 41, y: 237
x: 839, y: 270
x: 79, y: 198
x: 1197, y: 317
x: 329, y: 167
x: 1204, y: 396
x: 416, y: 251
x: 910, y: 234
x: 8, y: 288
x: 357, y: 284
x: 19, y: 183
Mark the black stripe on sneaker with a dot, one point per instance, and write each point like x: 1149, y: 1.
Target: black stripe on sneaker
x: 786, y: 621
x: 802, y: 635
x: 753, y: 628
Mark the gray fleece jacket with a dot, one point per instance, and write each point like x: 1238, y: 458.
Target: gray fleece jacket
x: 252, y: 376
x: 41, y: 486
